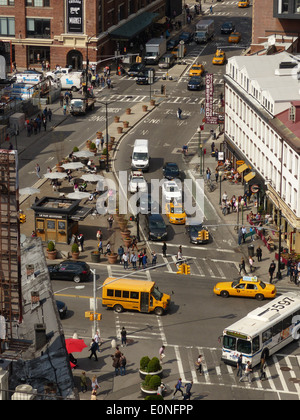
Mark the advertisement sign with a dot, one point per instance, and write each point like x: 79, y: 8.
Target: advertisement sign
x: 210, y: 118
x: 75, y: 16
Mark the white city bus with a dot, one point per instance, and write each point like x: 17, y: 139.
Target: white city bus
x: 263, y: 331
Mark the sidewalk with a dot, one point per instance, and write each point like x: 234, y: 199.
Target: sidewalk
x: 261, y: 268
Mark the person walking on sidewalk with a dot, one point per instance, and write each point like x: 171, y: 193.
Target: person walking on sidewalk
x: 259, y: 254
x: 38, y: 170
x: 263, y: 367
x: 161, y: 353
x: 247, y: 373
x: 133, y: 260
x: 93, y: 350
x: 271, y: 270
x: 251, y: 264
x: 179, y: 112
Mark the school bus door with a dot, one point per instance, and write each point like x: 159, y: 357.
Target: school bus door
x: 144, y: 302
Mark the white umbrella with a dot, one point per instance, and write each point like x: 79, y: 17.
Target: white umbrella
x: 73, y: 165
x: 55, y: 175
x: 92, y: 178
x: 29, y: 191
x: 83, y: 154
x: 78, y: 195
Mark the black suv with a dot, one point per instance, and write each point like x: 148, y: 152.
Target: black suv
x: 135, y: 69
x: 143, y: 76
x: 70, y: 270
x: 227, y: 28
x: 171, y: 170
x: 156, y: 227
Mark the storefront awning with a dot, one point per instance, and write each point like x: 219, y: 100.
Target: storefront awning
x: 242, y: 168
x: 132, y: 28
x: 250, y: 176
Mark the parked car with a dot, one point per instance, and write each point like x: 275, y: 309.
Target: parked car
x: 171, y: 170
x: 157, y: 229
x: 62, y: 309
x: 135, y: 69
x: 195, y: 83
x: 172, y: 43
x: 227, y: 28
x: 187, y: 37
x: 70, y: 270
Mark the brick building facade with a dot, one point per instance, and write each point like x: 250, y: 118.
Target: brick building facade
x: 64, y: 31
x: 270, y: 17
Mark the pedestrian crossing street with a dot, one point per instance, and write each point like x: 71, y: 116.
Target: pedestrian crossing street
x: 283, y: 370
x: 200, y: 267
x: 282, y: 373
x: 188, y: 100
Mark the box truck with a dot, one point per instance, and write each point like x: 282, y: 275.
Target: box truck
x: 204, y: 31
x: 155, y: 48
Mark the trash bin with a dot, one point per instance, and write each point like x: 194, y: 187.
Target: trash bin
x: 251, y: 250
x: 102, y: 163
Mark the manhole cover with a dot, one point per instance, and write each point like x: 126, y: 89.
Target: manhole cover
x: 285, y: 369
x: 294, y: 380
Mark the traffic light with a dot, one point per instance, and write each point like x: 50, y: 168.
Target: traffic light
x: 181, y: 269
x: 187, y: 269
x: 22, y: 218
x: 205, y: 235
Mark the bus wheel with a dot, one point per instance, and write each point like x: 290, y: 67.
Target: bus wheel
x: 259, y: 296
x: 118, y: 308
x: 158, y: 311
x: 224, y: 294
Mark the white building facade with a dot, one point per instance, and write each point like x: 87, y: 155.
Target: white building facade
x: 262, y: 128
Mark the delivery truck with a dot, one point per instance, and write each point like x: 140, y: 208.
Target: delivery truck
x: 204, y: 31
x: 155, y: 48
x: 72, y: 81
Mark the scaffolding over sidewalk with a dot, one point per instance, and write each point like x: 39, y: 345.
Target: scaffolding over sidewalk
x: 10, y: 260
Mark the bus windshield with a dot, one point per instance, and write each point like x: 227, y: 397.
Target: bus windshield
x: 156, y: 294
x: 240, y: 345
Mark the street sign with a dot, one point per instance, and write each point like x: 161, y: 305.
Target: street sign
x: 150, y: 77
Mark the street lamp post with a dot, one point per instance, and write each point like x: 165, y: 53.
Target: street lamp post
x: 242, y: 205
x: 87, y: 66
x: 105, y: 103
x: 200, y: 150
x: 220, y: 177
x: 279, y: 275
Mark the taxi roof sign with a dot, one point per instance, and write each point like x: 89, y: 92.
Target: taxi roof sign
x: 248, y: 278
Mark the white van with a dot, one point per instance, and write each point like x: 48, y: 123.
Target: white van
x: 71, y: 81
x: 140, y: 155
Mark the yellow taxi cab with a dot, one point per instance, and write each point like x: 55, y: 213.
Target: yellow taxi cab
x: 175, y: 213
x: 219, y: 57
x: 196, y: 70
x: 244, y: 3
x: 246, y: 287
x: 234, y: 38
x: 175, y: 51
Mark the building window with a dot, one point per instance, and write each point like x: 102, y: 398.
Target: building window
x: 297, y: 6
x: 7, y: 26
x: 38, y: 28
x: 38, y: 3
x: 38, y: 54
x: 7, y: 2
x: 283, y: 6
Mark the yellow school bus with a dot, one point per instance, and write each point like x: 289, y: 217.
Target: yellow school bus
x: 138, y: 295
